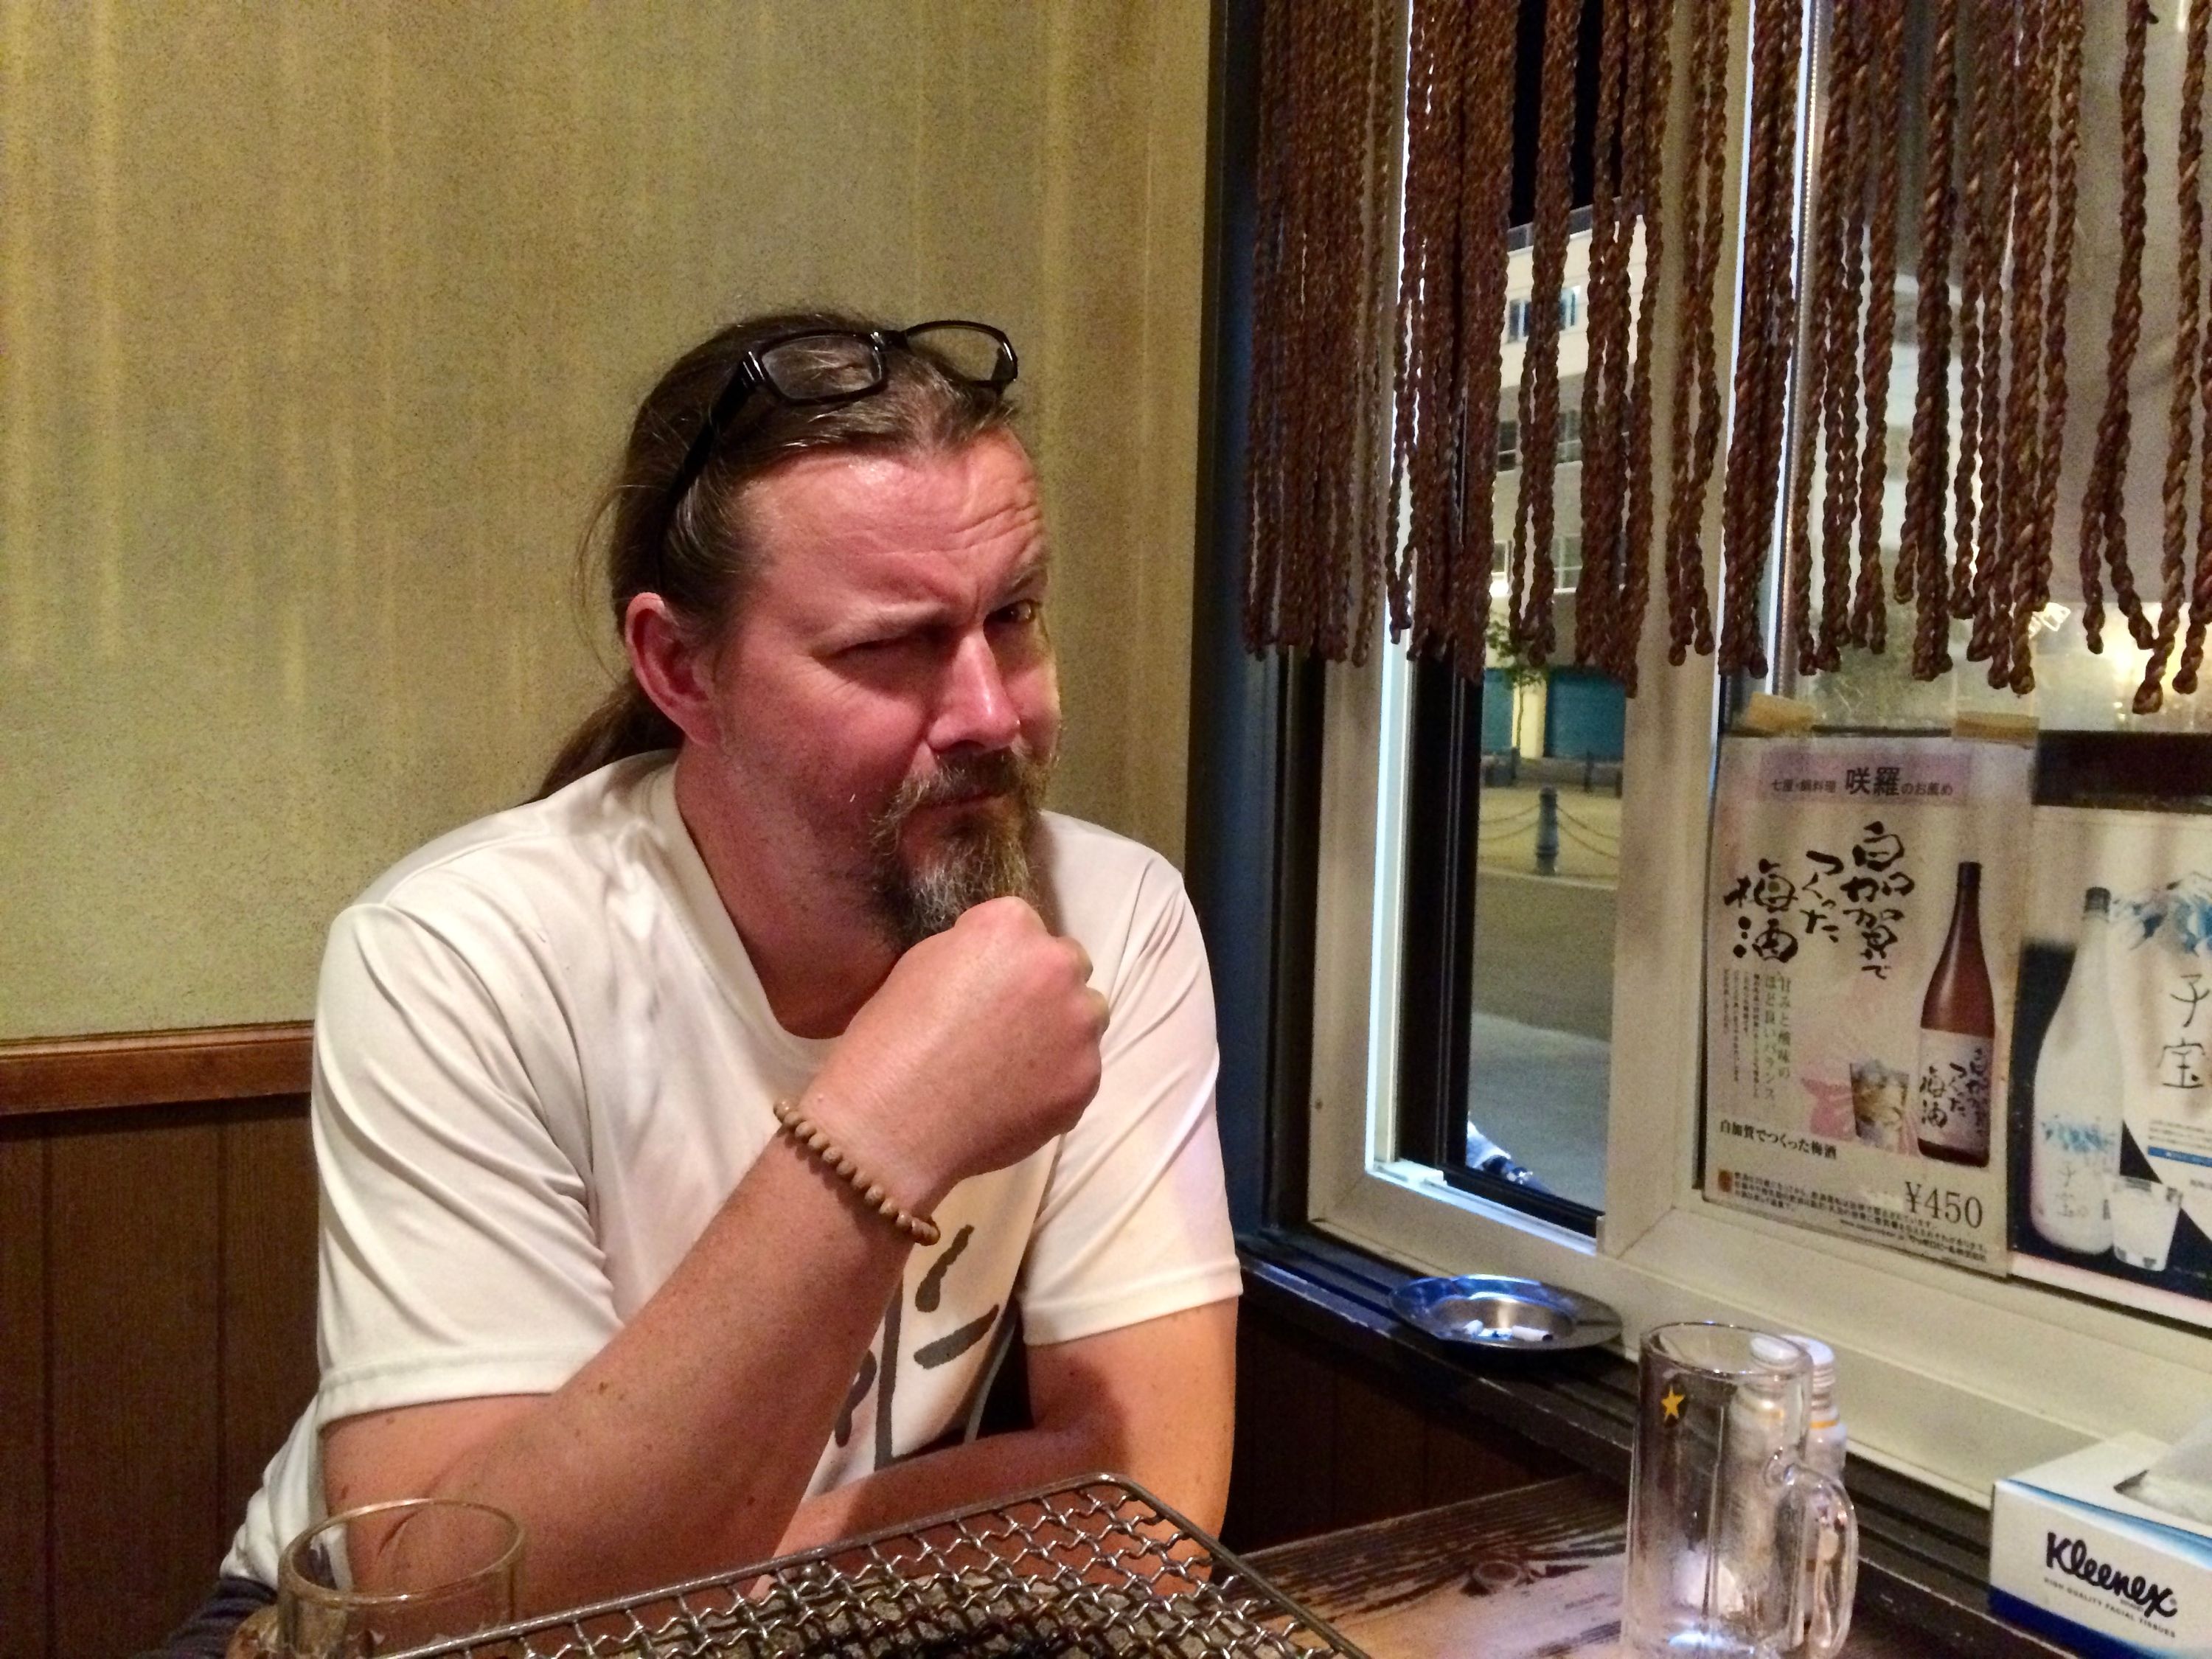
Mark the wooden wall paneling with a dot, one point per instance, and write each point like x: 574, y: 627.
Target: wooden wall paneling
x: 1327, y: 1440
x: 1462, y: 1457
x: 268, y: 1291
x: 25, y: 1603
x: 1282, y: 1484
x: 153, y: 1069
x: 134, y: 1232
x: 1380, y: 1454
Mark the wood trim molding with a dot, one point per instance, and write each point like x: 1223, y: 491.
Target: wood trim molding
x: 153, y: 1068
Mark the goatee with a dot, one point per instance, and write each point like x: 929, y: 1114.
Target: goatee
x: 982, y: 854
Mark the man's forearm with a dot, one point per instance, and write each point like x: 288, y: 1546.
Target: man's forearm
x: 955, y: 1478
x: 685, y: 1445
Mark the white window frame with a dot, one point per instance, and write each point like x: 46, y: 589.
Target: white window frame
x: 1947, y: 1375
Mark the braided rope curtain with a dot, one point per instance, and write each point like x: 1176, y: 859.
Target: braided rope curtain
x: 1376, y: 405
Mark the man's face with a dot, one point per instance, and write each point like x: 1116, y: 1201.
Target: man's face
x: 886, y: 705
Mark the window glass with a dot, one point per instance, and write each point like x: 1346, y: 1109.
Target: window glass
x: 1546, y: 850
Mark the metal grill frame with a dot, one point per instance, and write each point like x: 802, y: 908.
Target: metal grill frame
x: 1094, y: 1565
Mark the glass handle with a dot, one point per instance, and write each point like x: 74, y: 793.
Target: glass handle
x: 1831, y: 1545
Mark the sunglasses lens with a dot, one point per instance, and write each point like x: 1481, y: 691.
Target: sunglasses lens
x: 972, y: 353
x: 822, y: 366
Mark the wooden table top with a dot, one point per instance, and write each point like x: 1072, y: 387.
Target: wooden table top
x: 1534, y: 1573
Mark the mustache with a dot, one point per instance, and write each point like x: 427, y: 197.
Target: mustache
x: 1006, y: 772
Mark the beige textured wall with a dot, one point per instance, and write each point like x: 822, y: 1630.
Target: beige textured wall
x: 319, y: 324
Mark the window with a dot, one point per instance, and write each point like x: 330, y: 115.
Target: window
x: 1509, y: 443
x: 1571, y: 426
x: 1567, y: 562
x: 1424, y: 1067
x: 1571, y: 300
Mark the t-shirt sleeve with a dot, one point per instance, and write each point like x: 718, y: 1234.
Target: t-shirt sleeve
x: 459, y: 1254
x: 1135, y: 1223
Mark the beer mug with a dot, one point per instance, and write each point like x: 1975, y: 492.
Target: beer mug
x: 1737, y: 1549
x: 321, y: 1614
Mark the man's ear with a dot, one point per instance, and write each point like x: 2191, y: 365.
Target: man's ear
x: 672, y: 667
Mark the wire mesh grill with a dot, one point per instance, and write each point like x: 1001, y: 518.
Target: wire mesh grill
x: 1100, y: 1568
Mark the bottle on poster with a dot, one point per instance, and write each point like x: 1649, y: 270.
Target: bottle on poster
x: 1958, y: 1039
x: 2078, y: 1097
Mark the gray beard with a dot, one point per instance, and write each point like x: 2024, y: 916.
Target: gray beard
x: 986, y: 858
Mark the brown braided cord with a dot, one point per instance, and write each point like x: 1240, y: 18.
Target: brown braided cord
x: 1487, y: 166
x: 1820, y: 300
x: 1323, y: 75
x: 1652, y: 70
x: 2200, y: 595
x: 1416, y: 206
x: 1734, y: 650
x: 1869, y: 609
x: 2200, y: 592
x: 1335, y: 341
x: 2023, y: 432
x: 1850, y: 90
x: 1926, y: 471
x: 1423, y: 430
x: 1450, y: 315
x: 1932, y: 311
x: 2000, y: 59
x: 1765, y: 336
x: 1597, y: 597
x: 1264, y: 574
x: 1363, y: 81
x: 2104, y: 515
x: 1833, y: 192
x: 1318, y: 514
x: 1313, y: 577
x: 1695, y: 403
x: 2061, y: 81
x: 1780, y: 331
x: 2189, y: 248
x: 1976, y: 289
x: 1534, y: 516
x: 1378, y: 335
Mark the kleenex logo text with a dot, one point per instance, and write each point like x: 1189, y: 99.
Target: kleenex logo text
x: 2071, y: 1557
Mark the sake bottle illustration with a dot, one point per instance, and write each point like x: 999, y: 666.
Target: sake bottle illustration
x: 2076, y: 1143
x: 1958, y: 1039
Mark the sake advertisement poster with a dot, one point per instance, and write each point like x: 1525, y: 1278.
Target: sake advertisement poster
x: 1862, y: 925
x: 2111, y: 1101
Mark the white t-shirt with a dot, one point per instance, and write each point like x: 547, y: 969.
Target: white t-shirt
x: 543, y: 1060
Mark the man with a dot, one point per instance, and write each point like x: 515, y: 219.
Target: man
x: 572, y: 1265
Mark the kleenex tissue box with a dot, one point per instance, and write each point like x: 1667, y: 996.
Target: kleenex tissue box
x: 2075, y: 1557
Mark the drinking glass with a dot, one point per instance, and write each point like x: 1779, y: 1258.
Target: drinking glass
x: 2143, y: 1217
x: 477, y: 1554
x: 1878, y: 1097
x: 1737, y: 1549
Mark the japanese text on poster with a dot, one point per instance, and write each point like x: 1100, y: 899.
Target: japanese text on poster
x: 1862, y: 927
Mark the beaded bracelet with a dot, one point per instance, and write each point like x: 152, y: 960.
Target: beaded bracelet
x: 793, y: 1122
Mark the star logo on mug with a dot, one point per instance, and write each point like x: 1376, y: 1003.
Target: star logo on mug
x: 1671, y: 1403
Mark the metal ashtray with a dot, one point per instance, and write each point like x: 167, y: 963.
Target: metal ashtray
x: 1507, y: 1315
